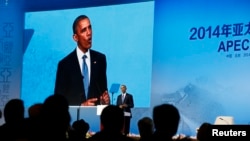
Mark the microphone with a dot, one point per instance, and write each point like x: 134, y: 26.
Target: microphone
x: 78, y: 113
x: 99, y: 91
x: 79, y: 108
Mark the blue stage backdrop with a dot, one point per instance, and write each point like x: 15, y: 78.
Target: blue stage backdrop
x: 201, y: 59
x: 123, y: 32
x: 11, y: 45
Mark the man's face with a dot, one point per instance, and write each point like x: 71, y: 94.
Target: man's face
x: 83, y: 35
x: 123, y: 89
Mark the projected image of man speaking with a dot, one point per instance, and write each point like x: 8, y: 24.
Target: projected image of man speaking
x: 81, y: 75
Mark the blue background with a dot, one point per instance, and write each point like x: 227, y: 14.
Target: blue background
x: 202, y: 82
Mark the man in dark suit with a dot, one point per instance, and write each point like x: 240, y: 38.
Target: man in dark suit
x: 126, y: 102
x: 70, y: 77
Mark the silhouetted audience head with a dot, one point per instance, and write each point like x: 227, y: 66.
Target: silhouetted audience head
x: 33, y: 120
x: 145, y: 127
x: 79, y: 130
x: 112, y: 118
x: 81, y: 126
x: 35, y: 110
x: 203, y: 132
x: 55, y: 108
x: 166, y: 119
x: 14, y: 111
x: 55, y: 116
x: 13, y: 128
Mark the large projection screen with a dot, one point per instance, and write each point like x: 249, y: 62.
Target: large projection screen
x: 124, y: 33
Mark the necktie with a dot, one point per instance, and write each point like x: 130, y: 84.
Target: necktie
x: 123, y: 97
x: 85, y: 75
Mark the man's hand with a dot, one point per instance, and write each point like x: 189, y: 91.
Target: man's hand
x: 89, y: 102
x: 104, y: 98
x: 123, y: 106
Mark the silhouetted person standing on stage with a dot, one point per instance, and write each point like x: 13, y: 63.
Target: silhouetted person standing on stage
x: 81, y: 75
x: 125, y: 101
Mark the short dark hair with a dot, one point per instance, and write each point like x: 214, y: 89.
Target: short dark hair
x: 166, y: 117
x: 81, y: 17
x: 13, y: 110
x: 112, y: 118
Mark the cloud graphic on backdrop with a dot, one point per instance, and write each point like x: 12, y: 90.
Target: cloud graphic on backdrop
x: 195, y: 103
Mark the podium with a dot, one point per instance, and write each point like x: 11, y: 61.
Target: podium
x: 99, y: 109
x: 91, y: 114
x: 127, y: 114
x: 88, y: 113
x: 127, y: 118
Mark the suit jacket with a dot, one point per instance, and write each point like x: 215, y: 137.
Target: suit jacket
x: 69, y: 79
x: 127, y: 100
